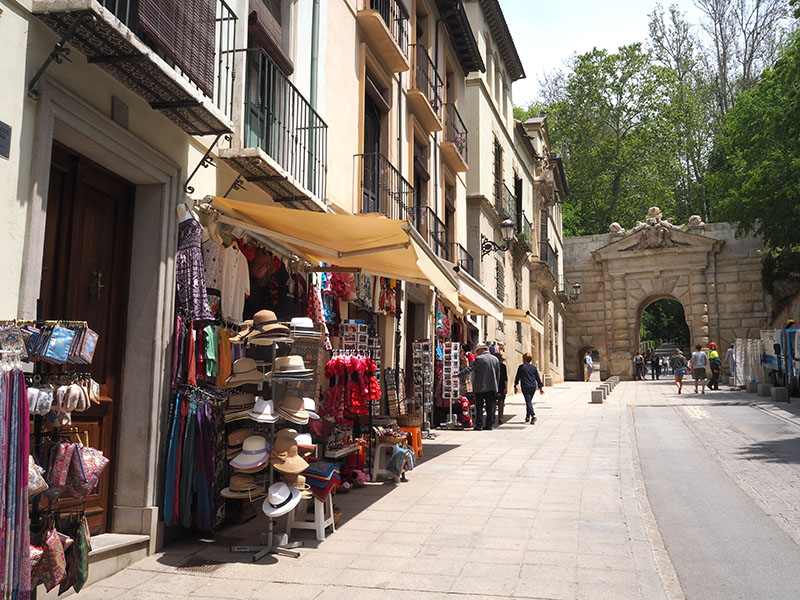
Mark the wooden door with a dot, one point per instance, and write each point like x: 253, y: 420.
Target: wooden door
x: 85, y: 275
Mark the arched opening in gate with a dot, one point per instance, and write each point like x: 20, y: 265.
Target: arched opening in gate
x: 662, y: 327
x: 581, y: 358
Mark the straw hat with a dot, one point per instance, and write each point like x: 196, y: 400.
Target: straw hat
x: 299, y: 482
x: 263, y: 411
x: 292, y: 410
x: 244, y: 371
x: 302, y: 325
x: 253, y: 454
x: 240, y: 401
x: 311, y: 407
x: 265, y: 325
x: 305, y: 446
x: 280, y: 499
x: 242, y: 486
x: 290, y: 366
x: 285, y: 457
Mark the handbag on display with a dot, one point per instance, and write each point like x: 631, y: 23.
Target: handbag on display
x: 36, y: 483
x: 93, y: 463
x: 51, y: 567
x: 59, y: 470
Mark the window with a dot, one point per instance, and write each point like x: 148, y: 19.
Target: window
x: 498, y: 175
x: 550, y: 337
x: 500, y: 279
x: 450, y: 218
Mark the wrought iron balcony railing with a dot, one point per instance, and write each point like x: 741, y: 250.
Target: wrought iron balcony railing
x: 463, y: 259
x: 433, y: 229
x: 508, y: 206
x: 281, y: 121
x: 525, y: 233
x: 455, y: 130
x: 426, y: 79
x: 394, y: 15
x: 549, y: 257
x: 182, y: 64
x: 384, y: 189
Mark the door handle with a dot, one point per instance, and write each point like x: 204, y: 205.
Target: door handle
x: 96, y: 284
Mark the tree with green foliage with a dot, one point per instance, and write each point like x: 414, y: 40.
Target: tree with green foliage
x: 613, y: 129
x: 664, y: 321
x: 756, y: 170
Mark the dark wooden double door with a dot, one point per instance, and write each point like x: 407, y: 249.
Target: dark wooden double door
x: 85, y: 273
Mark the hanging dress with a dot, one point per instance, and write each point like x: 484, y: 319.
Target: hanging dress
x: 189, y: 275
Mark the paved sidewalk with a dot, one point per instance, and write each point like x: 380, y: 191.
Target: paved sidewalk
x: 551, y: 510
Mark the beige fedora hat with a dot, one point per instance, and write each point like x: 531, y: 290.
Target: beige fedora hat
x: 244, y: 371
x: 290, y: 366
x: 242, y: 486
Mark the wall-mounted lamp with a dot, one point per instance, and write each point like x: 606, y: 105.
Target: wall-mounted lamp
x: 576, y: 291
x: 506, y: 231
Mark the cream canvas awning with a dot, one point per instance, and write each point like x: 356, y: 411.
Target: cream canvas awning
x: 523, y: 316
x: 476, y: 300
x: 370, y: 242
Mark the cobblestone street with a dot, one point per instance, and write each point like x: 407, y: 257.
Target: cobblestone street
x: 555, y: 510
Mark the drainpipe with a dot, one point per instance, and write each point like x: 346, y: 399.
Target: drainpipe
x: 314, y: 53
x: 312, y: 132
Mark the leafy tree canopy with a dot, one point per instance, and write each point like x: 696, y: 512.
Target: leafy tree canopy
x: 756, y: 171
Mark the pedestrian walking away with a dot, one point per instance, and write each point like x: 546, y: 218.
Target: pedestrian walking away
x: 638, y: 367
x: 588, y: 365
x: 485, y: 370
x: 698, y: 365
x: 677, y: 363
x: 715, y: 364
x: 528, y: 378
x: 502, y: 389
x: 665, y: 365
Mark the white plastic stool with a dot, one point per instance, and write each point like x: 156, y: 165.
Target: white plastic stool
x: 381, y: 460
x: 320, y: 522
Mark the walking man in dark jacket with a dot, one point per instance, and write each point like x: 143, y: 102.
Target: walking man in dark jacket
x: 528, y: 376
x: 485, y: 371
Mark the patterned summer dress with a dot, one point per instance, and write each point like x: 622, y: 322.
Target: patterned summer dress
x: 190, y: 279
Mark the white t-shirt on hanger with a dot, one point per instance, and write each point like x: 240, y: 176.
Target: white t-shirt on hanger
x: 235, y: 284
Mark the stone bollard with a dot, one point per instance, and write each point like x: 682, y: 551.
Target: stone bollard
x: 608, y: 387
x: 597, y: 396
x: 779, y: 394
x: 752, y: 387
x: 763, y: 389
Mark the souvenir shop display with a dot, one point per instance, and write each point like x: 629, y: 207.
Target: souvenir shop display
x: 451, y: 392
x: 353, y: 386
x: 422, y: 357
x: 44, y: 540
x: 390, y: 379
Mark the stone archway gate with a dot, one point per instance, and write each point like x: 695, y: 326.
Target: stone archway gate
x: 716, y: 277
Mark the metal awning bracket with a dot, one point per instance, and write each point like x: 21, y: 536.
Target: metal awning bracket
x: 236, y: 185
x: 60, y: 52
x: 205, y: 162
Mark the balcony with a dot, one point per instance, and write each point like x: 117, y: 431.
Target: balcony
x: 550, y: 258
x: 463, y: 259
x: 454, y: 144
x: 506, y: 205
x: 181, y: 65
x: 524, y: 233
x: 285, y: 140
x: 385, y: 25
x: 384, y: 189
x: 425, y: 94
x: 434, y: 231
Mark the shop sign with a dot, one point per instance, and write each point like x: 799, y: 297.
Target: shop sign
x: 5, y: 140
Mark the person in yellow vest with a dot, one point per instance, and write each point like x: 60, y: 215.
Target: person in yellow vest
x: 715, y: 363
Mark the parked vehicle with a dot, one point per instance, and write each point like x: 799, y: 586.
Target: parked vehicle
x: 780, y: 356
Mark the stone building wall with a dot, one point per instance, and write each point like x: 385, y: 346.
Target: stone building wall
x: 716, y: 277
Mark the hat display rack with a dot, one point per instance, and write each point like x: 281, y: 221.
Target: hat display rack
x: 289, y: 372
x: 52, y: 347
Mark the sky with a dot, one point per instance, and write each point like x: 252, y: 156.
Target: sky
x: 546, y: 33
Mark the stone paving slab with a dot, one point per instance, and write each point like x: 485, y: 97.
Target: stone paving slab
x: 524, y: 511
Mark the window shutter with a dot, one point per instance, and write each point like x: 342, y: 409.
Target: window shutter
x: 185, y: 31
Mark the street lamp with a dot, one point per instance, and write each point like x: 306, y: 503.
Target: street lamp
x: 576, y: 291
x: 507, y: 231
